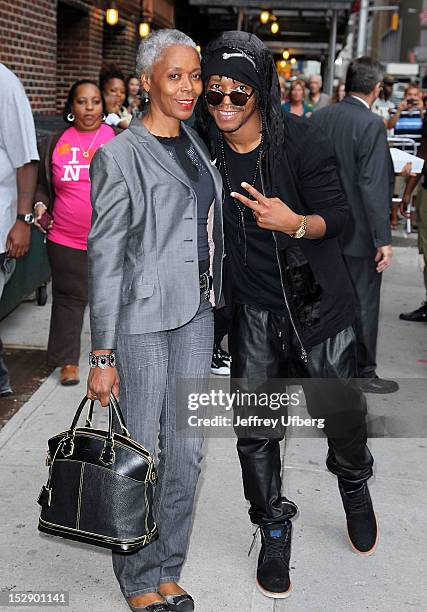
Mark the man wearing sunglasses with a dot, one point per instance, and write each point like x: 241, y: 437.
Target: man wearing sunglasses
x: 292, y: 300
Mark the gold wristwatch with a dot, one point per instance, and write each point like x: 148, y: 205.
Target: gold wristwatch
x: 300, y: 233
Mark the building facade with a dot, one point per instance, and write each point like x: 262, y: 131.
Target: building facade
x: 49, y: 44
x: 400, y: 33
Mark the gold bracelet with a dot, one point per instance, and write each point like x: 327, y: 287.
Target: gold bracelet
x: 302, y: 228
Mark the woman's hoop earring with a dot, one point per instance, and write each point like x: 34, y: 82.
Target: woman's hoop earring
x: 103, y: 117
x: 70, y: 117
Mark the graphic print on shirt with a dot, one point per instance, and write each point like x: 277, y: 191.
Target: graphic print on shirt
x: 73, y: 167
x: 72, y: 209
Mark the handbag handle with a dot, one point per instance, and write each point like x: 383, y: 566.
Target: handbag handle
x: 114, y: 404
x: 107, y: 455
x: 118, y: 411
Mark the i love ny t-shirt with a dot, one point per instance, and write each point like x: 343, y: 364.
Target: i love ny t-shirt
x: 72, y: 210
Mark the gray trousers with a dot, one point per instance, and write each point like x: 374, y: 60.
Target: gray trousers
x: 149, y: 367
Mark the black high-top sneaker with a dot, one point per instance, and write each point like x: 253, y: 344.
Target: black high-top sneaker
x: 273, y: 562
x: 362, y: 524
x: 220, y: 361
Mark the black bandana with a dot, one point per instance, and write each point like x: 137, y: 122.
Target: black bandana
x: 235, y: 64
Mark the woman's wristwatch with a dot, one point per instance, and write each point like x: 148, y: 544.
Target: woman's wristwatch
x: 102, y: 361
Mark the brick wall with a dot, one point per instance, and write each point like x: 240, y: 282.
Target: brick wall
x: 120, y: 45
x: 50, y: 44
x: 79, y: 53
x: 28, y: 48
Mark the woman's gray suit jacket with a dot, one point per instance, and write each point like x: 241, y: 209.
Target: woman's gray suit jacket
x: 142, y: 246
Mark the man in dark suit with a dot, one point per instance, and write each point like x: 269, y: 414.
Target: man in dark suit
x: 366, y: 171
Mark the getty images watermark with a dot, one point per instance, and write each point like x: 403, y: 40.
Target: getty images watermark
x: 244, y: 404
x: 220, y: 407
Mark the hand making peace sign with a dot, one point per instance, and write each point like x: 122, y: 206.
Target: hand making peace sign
x: 270, y: 213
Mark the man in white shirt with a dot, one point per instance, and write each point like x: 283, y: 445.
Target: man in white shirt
x: 18, y: 179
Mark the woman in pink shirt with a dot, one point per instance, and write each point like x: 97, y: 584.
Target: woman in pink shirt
x: 64, y: 193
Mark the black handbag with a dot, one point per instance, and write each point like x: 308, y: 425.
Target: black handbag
x: 100, y: 486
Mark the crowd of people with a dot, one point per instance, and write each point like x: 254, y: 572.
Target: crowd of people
x: 303, y: 96
x: 281, y: 222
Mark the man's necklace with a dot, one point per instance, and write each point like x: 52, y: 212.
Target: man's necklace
x: 241, y: 207
x: 85, y: 153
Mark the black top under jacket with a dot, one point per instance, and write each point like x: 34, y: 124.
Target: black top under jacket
x: 182, y: 150
x: 251, y: 251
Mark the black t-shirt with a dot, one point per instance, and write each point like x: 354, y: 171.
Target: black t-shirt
x: 256, y: 281
x: 181, y: 149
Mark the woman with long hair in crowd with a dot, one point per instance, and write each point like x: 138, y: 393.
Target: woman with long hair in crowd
x: 113, y: 88
x: 296, y: 103
x: 149, y: 284
x: 63, y: 194
x: 339, y: 92
x: 133, y: 96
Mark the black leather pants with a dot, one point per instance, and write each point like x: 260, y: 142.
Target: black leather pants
x: 263, y: 348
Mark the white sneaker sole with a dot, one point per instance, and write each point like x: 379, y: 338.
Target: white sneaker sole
x: 221, y: 371
x: 273, y: 595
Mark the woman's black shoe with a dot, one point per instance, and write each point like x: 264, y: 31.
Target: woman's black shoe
x: 361, y: 521
x: 180, y: 603
x: 273, y: 562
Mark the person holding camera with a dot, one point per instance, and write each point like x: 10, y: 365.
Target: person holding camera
x: 407, y: 119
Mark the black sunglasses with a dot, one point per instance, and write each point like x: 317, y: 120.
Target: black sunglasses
x: 214, y: 97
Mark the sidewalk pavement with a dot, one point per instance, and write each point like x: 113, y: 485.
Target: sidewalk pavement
x: 327, y: 576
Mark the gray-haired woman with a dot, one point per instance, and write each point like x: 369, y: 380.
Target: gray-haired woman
x: 152, y: 189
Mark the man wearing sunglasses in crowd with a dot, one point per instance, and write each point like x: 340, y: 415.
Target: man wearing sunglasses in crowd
x: 291, y: 297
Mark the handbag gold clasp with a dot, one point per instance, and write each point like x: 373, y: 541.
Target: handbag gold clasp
x: 103, y: 459
x: 71, y: 450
